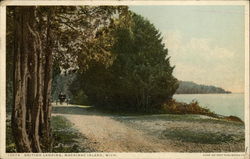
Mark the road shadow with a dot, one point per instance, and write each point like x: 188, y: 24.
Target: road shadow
x: 76, y: 110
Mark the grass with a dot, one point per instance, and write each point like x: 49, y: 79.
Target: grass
x: 10, y: 145
x: 169, y: 107
x: 175, y: 111
x: 185, y: 117
x: 66, y: 138
x: 187, y: 135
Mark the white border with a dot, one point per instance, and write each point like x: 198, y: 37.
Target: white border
x: 2, y: 78
x: 117, y: 155
x: 247, y: 77
x: 121, y: 2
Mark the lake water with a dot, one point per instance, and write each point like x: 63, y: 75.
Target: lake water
x: 223, y: 104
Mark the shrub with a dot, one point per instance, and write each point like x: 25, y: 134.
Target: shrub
x: 193, y: 107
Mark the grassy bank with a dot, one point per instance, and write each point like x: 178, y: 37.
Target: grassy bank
x: 169, y: 107
x: 66, y: 138
x: 190, y: 132
x: 174, y: 107
x: 202, y: 137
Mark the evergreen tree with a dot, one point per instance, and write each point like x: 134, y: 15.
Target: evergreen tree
x: 140, y: 77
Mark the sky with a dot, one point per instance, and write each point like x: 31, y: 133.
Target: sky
x: 205, y: 43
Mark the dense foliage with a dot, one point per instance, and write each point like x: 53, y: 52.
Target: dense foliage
x: 140, y: 77
x: 193, y: 88
x: 42, y: 40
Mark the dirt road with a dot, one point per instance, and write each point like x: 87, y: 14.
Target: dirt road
x: 106, y: 134
x: 110, y: 133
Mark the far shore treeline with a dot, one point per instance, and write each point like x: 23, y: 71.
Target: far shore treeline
x: 186, y: 87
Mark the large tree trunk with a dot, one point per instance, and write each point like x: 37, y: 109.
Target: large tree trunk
x: 19, y: 113
x: 47, y: 108
x: 32, y: 85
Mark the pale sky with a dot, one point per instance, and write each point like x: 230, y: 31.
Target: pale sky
x: 206, y: 43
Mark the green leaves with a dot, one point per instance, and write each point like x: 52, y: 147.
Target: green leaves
x: 81, y: 34
x: 140, y: 76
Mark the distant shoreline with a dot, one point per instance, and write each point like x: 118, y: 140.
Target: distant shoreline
x: 206, y: 93
x: 189, y: 87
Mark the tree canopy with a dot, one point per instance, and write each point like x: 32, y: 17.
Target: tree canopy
x: 42, y: 40
x: 140, y: 77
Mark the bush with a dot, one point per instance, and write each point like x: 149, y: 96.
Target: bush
x: 79, y: 97
x: 193, y: 107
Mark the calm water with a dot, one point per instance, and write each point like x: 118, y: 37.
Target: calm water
x: 224, y: 104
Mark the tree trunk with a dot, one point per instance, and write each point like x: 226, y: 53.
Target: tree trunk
x: 20, y: 81
x: 47, y: 108
x: 32, y: 84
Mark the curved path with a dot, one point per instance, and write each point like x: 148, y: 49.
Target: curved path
x: 106, y: 134
x: 110, y: 133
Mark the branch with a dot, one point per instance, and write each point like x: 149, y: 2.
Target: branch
x: 65, y: 23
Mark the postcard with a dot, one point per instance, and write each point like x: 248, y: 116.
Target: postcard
x: 124, y: 79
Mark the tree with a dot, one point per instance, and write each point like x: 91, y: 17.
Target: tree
x: 26, y: 133
x: 32, y: 85
x: 44, y: 36
x: 140, y: 77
